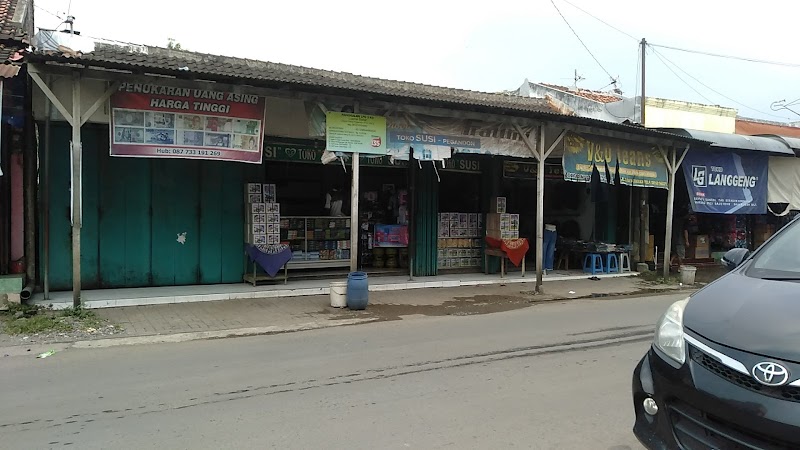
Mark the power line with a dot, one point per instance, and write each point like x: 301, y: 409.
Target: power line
x: 680, y: 78
x: 719, y: 55
x: 599, y: 19
x: 698, y: 52
x: 48, y: 12
x: 580, y: 40
x: 660, y: 56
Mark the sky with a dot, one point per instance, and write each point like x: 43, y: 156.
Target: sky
x: 485, y: 46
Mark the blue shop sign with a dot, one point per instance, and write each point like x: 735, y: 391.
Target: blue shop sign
x: 727, y: 182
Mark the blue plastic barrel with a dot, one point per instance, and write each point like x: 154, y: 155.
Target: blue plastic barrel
x: 357, y: 290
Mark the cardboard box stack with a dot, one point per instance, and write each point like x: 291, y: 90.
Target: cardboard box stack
x: 459, y: 240
x: 262, y: 216
x: 699, y: 247
x: 500, y: 224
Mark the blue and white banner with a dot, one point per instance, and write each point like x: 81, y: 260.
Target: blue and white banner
x: 726, y: 182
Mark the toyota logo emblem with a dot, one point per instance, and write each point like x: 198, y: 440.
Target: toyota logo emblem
x: 770, y: 374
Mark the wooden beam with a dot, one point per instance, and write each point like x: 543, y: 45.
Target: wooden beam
x: 100, y: 101
x: 51, y: 96
x: 76, y: 186
x: 670, y: 213
x: 528, y: 142
x: 540, y: 214
x: 555, y: 144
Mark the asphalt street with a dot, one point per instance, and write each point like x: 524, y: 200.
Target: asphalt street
x: 553, y: 375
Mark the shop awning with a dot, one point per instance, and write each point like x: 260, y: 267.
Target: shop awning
x: 791, y: 142
x: 736, y: 141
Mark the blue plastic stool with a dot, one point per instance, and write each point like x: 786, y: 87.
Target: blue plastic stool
x: 612, y: 263
x: 593, y: 263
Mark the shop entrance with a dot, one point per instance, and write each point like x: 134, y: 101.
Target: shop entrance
x: 460, y: 222
x: 384, y: 213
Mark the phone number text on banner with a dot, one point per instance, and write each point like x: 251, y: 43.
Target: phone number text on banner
x: 153, y: 121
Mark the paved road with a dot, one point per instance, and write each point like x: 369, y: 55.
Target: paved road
x: 548, y: 376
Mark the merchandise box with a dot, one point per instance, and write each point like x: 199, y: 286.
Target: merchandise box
x: 255, y: 198
x: 498, y: 205
x: 258, y: 228
x: 257, y: 239
x: 273, y: 239
x: 272, y: 207
x: 258, y: 218
x: 273, y: 218
x: 257, y: 208
x: 253, y: 188
x: 699, y: 241
x: 270, y: 193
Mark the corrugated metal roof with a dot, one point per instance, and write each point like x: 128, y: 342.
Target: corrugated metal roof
x: 190, y: 65
x: 791, y: 142
x: 736, y: 141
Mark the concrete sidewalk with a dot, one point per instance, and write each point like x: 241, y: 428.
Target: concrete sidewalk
x: 179, y: 322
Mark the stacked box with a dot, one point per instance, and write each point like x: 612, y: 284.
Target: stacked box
x: 262, y: 215
x: 502, y: 226
x: 498, y: 205
x: 459, y: 225
x: 460, y: 242
x: 270, y: 193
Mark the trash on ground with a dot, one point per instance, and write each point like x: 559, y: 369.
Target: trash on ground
x: 46, y: 354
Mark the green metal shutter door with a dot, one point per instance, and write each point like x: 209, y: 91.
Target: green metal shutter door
x: 426, y: 222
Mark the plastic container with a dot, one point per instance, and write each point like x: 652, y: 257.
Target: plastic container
x: 339, y: 294
x: 357, y: 290
x: 687, y: 274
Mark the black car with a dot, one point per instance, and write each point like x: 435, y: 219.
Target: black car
x: 724, y: 368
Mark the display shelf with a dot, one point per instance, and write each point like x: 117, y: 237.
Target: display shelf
x: 312, y: 251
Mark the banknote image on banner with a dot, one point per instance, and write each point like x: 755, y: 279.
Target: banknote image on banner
x: 154, y: 121
x: 727, y: 182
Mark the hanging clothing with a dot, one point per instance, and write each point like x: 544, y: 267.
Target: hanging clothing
x: 333, y: 203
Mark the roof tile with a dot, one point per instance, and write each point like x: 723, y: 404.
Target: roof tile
x: 9, y: 29
x: 600, y: 97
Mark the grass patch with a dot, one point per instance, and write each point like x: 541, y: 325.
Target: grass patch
x: 26, y: 319
x: 37, y: 324
x: 657, y: 278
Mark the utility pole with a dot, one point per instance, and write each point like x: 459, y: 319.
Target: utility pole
x: 643, y: 49
x: 644, y: 200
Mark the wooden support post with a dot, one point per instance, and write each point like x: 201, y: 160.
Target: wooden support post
x: 667, y: 252
x: 540, y: 211
x: 354, y: 221
x: 76, y: 186
x: 673, y: 163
